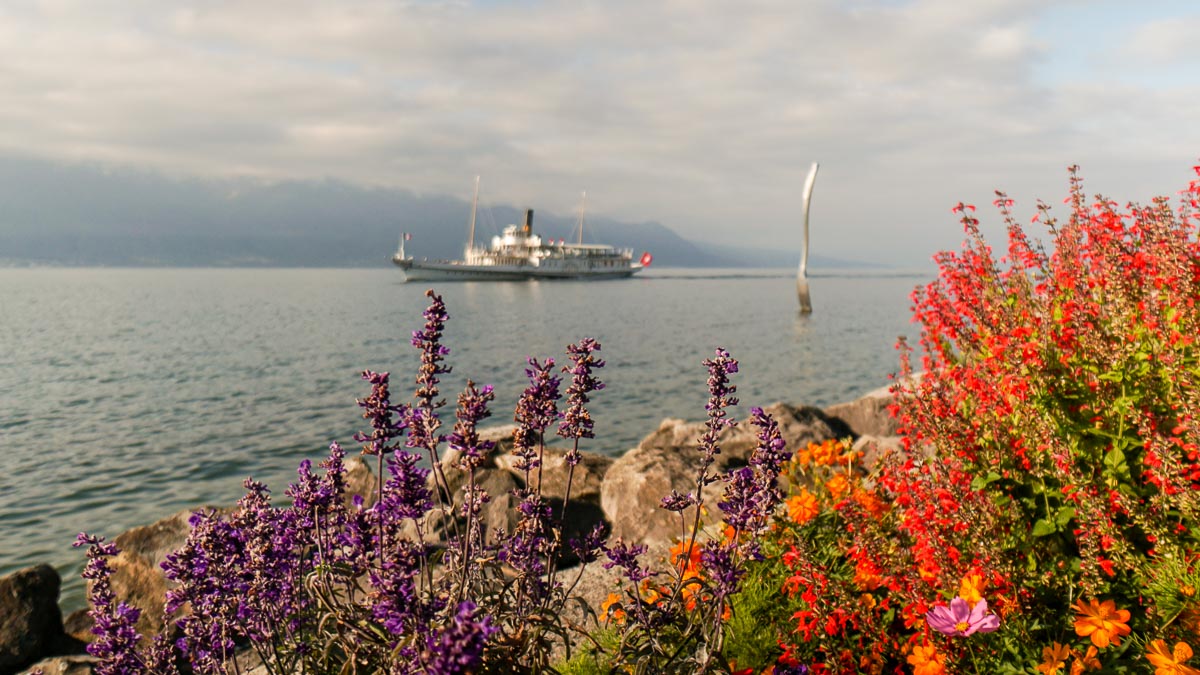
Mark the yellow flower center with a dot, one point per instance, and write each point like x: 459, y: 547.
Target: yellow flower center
x: 962, y: 626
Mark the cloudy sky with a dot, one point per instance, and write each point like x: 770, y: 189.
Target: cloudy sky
x: 701, y: 115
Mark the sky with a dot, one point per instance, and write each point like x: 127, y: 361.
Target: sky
x: 704, y: 116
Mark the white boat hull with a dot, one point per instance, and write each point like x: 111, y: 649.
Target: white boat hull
x: 446, y: 270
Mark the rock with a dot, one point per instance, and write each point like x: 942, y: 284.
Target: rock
x: 78, y: 626
x: 30, y: 621
x: 585, y: 481
x: 66, y: 665
x: 137, y: 576
x: 499, y: 478
x: 868, y: 415
x: 668, y: 458
x: 360, y: 480
x: 875, y: 447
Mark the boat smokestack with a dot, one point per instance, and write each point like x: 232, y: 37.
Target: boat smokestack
x: 528, y: 222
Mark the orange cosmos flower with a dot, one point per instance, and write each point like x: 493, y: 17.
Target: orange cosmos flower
x: 679, y: 550
x: 826, y: 453
x: 971, y: 589
x: 838, y: 485
x: 1168, y: 662
x: 1053, y: 658
x: 1101, y: 621
x: 802, y: 507
x: 1086, y: 661
x: 616, y: 614
x: 925, y: 660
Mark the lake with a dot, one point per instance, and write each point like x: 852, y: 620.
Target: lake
x: 129, y: 394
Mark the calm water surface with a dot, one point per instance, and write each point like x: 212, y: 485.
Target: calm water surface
x: 129, y: 394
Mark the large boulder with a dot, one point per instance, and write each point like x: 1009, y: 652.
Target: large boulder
x: 30, y: 621
x: 668, y: 459
x: 868, y: 415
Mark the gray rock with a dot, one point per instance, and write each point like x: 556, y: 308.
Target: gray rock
x: 668, y: 459
x: 867, y: 415
x: 30, y: 621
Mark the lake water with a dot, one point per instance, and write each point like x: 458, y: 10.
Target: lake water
x: 129, y: 394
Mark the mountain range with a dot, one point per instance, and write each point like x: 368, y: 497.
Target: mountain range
x: 85, y: 215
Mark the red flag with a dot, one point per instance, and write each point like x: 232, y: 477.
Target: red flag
x: 647, y: 259
x: 407, y: 237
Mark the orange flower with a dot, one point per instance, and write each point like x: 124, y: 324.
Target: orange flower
x: 838, y: 485
x: 866, y: 575
x: 1087, y: 661
x: 869, y: 502
x: 1101, y: 621
x: 617, y: 614
x: 802, y: 507
x: 679, y: 550
x: 925, y: 660
x: 822, y: 454
x: 1190, y: 620
x: 1167, y: 662
x: 971, y: 589
x: 1053, y: 658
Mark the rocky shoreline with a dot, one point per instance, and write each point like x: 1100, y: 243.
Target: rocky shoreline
x: 622, y: 492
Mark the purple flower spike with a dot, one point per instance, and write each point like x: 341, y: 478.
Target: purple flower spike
x: 536, y: 410
x: 433, y: 352
x: 472, y: 408
x: 959, y: 619
x: 576, y: 420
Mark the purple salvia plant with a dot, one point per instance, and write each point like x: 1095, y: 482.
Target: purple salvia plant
x: 213, y: 581
x: 116, y: 643
x: 752, y: 492
x: 577, y: 422
x: 536, y: 410
x: 471, y: 452
x: 528, y: 548
x: 457, y: 648
x: 387, y: 424
x: 472, y: 409
x: 433, y: 352
x: 423, y: 420
x: 720, y: 397
x: 626, y: 558
x: 318, y: 505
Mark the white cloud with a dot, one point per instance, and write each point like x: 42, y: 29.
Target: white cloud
x: 702, y: 115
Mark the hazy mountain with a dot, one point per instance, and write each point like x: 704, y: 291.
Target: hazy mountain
x: 81, y: 215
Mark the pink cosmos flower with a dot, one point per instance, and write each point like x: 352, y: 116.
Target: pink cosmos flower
x: 961, y: 620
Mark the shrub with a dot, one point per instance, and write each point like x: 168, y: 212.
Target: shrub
x: 1043, y: 512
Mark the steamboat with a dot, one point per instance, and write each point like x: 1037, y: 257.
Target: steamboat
x: 518, y: 254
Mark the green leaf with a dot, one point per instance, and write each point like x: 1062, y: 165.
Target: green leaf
x: 980, y: 482
x: 1043, y: 527
x: 1064, y: 516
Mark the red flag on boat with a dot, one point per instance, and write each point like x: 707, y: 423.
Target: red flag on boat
x: 407, y: 237
x: 647, y: 259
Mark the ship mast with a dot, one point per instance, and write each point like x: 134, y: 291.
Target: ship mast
x: 471, y: 233
x: 582, y: 208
